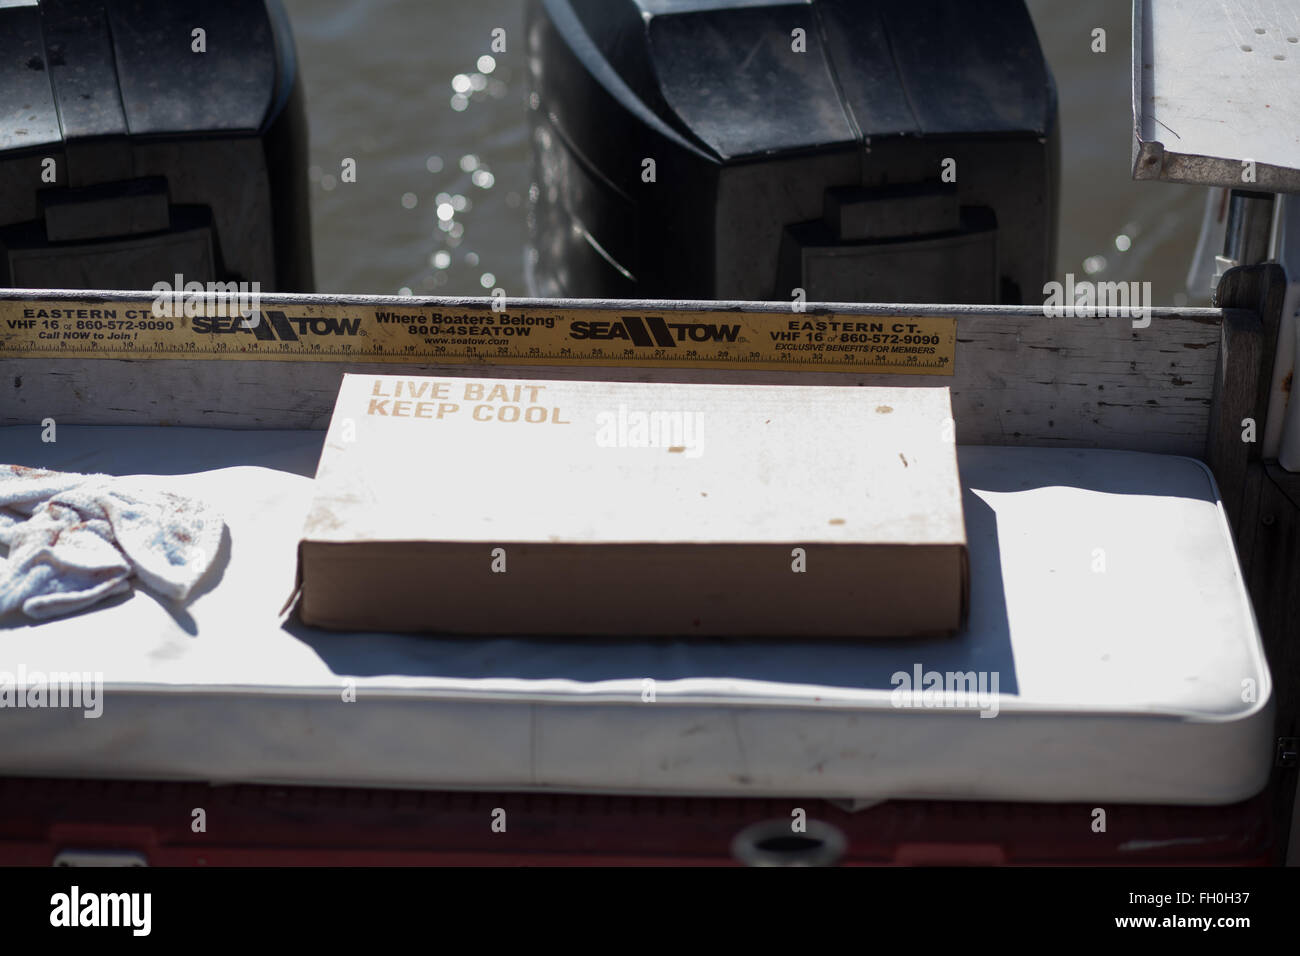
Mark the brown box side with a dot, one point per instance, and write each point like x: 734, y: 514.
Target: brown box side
x: 636, y: 589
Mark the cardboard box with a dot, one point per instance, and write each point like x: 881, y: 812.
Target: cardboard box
x: 461, y: 505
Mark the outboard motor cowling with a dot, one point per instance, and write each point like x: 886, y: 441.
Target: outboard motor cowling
x: 861, y: 150
x: 142, y: 139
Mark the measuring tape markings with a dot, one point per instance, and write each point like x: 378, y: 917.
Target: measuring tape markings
x: 476, y: 335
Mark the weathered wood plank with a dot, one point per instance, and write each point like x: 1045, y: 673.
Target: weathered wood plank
x: 1274, y: 583
x: 1260, y: 289
x: 1234, y: 409
x: 1019, y: 378
x: 1243, y: 384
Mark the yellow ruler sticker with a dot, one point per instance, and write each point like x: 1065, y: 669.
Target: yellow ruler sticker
x: 478, y: 335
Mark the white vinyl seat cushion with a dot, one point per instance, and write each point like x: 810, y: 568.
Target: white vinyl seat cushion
x: 1106, y: 598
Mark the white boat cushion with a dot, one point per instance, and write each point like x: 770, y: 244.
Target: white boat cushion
x: 1106, y: 599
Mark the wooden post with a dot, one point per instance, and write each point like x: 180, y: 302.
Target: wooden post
x: 1262, y: 500
x: 1234, y: 408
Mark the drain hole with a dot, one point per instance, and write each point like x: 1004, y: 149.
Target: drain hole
x: 772, y: 843
x: 789, y: 844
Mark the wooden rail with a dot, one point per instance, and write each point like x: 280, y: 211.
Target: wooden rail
x: 1018, y: 377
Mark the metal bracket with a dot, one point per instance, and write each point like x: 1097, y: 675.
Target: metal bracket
x: 1288, y: 751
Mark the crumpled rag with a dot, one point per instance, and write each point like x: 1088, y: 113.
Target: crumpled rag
x: 76, y: 539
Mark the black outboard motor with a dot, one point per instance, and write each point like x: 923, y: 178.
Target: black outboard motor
x: 860, y: 150
x: 141, y: 139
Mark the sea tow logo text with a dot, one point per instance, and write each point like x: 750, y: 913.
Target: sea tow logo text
x: 37, y: 689
x: 677, y: 431
x: 933, y: 690
x: 278, y: 327
x: 1089, y: 299
x: 469, y: 324
x: 74, y: 908
x: 232, y: 300
x: 653, y: 330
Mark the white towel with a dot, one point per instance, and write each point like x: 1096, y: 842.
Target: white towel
x: 76, y: 539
